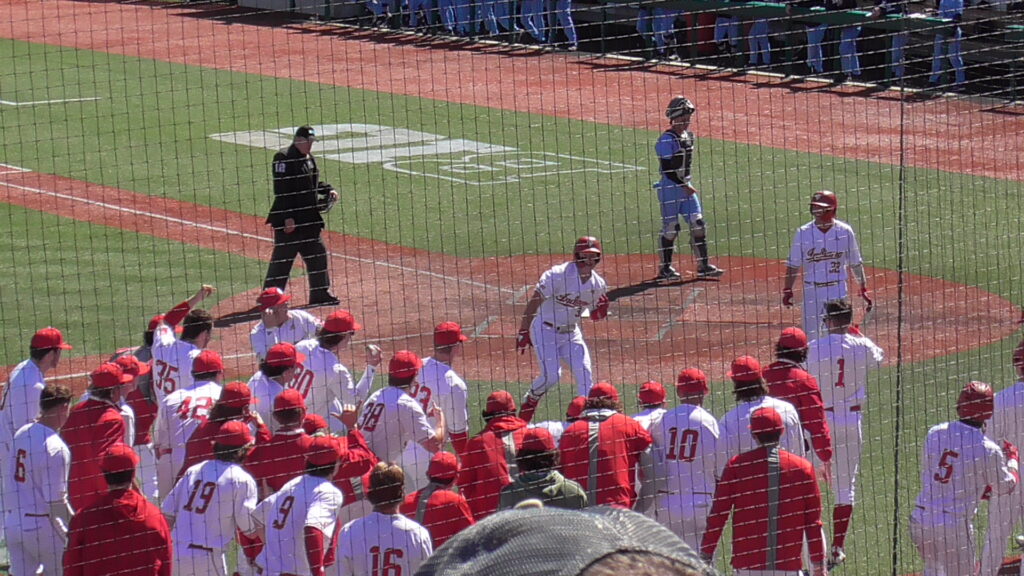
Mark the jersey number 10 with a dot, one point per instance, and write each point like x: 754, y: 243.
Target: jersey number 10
x: 682, y: 444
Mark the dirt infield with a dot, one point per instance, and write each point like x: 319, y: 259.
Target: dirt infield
x: 400, y: 293
x: 952, y: 135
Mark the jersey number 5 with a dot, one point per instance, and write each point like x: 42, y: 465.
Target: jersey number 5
x: 946, y: 467
x: 385, y: 564
x: 682, y: 444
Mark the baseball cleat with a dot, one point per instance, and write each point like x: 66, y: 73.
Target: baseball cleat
x: 836, y: 558
x: 709, y: 271
x: 668, y: 273
x: 324, y: 299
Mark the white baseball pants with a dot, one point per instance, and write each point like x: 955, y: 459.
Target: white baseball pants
x: 686, y: 515
x: 847, y: 444
x: 32, y: 544
x: 945, y: 542
x: 1004, y: 512
x: 551, y: 348
x: 415, y: 460
x: 190, y: 560
x: 147, y: 472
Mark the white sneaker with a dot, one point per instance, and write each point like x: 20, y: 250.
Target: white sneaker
x: 837, y: 557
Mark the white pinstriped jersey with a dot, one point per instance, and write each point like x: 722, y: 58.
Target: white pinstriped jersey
x: 649, y: 417
x: 264, y: 391
x: 685, y: 450
x: 299, y: 326
x: 439, y: 384
x: 390, y: 419
x: 383, y: 544
x: 555, y: 427
x: 37, y: 472
x: 840, y: 363
x: 565, y: 297
x: 326, y: 383
x: 304, y: 501
x: 181, y: 414
x: 20, y: 402
x: 211, y: 501
x: 734, y: 430
x: 172, y: 362
x: 824, y: 256
x: 958, y: 462
x: 1007, y: 423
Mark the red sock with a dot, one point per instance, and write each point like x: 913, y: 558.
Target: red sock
x: 841, y: 523
x: 528, y: 408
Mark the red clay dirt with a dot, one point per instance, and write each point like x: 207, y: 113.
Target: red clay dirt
x: 954, y: 135
x: 399, y: 294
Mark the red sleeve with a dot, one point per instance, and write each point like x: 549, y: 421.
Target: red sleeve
x: 314, y: 549
x: 109, y: 431
x: 176, y: 314
x: 641, y: 437
x: 332, y: 551
x: 263, y: 434
x: 360, y: 458
x: 167, y: 551
x: 812, y: 516
x: 459, y: 441
x: 73, y: 553
x: 450, y: 516
x: 812, y: 416
x: 721, y: 507
x: 470, y: 462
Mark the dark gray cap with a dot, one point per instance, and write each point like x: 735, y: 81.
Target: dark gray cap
x: 554, y: 542
x: 305, y: 132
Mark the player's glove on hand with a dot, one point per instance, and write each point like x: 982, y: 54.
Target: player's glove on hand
x: 787, y: 297
x: 523, y: 341
x: 600, y: 312
x: 868, y: 302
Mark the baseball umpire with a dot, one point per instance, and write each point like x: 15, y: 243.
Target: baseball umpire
x: 299, y: 198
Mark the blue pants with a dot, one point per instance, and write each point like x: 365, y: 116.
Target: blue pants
x: 664, y: 26
x: 427, y: 6
x: 675, y: 202
x: 727, y: 28
x: 498, y: 16
x: 899, y: 47
x: 948, y: 45
x: 815, y: 59
x: 758, y: 42
x: 563, y: 14
x: 534, y: 20
x: 848, y: 50
x: 447, y: 10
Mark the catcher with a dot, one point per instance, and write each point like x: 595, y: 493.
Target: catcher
x: 299, y: 199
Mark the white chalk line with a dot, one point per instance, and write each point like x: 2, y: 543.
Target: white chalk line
x: 690, y: 299
x: 45, y: 102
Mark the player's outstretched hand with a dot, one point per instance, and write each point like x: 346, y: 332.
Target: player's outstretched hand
x: 868, y: 302
x: 787, y: 297
x: 523, y: 341
x: 373, y: 355
x: 204, y: 292
x: 600, y: 312
x: 825, y: 472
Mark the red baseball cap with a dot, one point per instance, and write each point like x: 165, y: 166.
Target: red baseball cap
x: 443, y: 466
x: 323, y: 451
x: 604, y: 390
x: 404, y: 364
x: 765, y: 420
x: 289, y: 399
x: 271, y: 297
x: 155, y: 321
x: 131, y: 366
x: 49, y: 337
x: 119, y: 458
x: 235, y: 395
x: 651, y: 392
x: 207, y: 361
x: 691, y: 381
x: 234, y: 433
x: 448, y: 334
x: 745, y: 369
x: 284, y: 355
x: 793, y: 338
x: 341, y: 321
x: 313, y: 423
x: 500, y: 402
x: 537, y: 440
x: 108, y: 375
x: 575, y: 408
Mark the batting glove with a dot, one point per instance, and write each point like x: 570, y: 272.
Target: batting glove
x: 869, y: 303
x: 787, y: 297
x: 600, y: 312
x: 523, y: 341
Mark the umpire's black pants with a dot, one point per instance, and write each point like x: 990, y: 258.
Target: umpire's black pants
x: 304, y: 241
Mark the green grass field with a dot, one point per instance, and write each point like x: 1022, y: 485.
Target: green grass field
x: 149, y: 133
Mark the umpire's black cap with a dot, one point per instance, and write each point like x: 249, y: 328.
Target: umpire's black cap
x: 306, y: 132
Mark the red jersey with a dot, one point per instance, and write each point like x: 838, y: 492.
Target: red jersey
x: 91, y: 429
x: 485, y: 465
x: 353, y: 476
x: 145, y: 415
x: 121, y: 534
x: 620, y: 440
x: 790, y: 512
x: 788, y: 381
x: 443, y: 512
x: 199, y: 447
x: 280, y: 459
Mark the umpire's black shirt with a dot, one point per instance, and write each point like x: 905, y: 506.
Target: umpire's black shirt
x: 295, y: 182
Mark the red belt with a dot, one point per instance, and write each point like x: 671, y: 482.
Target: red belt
x: 854, y: 408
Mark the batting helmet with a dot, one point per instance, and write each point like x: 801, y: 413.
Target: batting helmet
x: 586, y: 245
x: 825, y: 199
x: 679, y: 106
x: 976, y: 402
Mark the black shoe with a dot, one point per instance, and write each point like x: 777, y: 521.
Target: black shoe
x: 324, y: 298
x: 841, y: 79
x: 709, y: 271
x: 668, y: 273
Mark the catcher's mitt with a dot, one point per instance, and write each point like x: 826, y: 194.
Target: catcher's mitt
x: 324, y: 200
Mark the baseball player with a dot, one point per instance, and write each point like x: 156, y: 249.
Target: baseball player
x: 299, y: 521
x: 488, y: 465
x: 602, y: 450
x: 36, y: 524
x: 551, y: 321
x: 94, y: 426
x: 233, y: 405
x: 774, y: 500
x: 172, y: 357
x: 840, y: 361
x: 685, y: 455
x: 282, y: 458
x: 181, y: 413
x: 277, y: 371
x: 325, y: 382
x: 1005, y: 427
x: 438, y: 507
x: 278, y: 323
x: 651, y: 398
x: 384, y: 542
x: 676, y: 194
x: 958, y: 463
x: 211, y: 501
x: 121, y: 533
x: 947, y: 43
x: 539, y: 478
x: 556, y: 427
x: 439, y: 384
x: 824, y: 248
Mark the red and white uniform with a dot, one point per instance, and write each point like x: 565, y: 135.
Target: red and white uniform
x: 180, y: 415
x: 277, y: 461
x: 555, y: 331
x: 145, y: 415
x: 489, y: 463
x: 441, y: 510
x: 327, y: 385
x: 353, y: 477
x: 438, y: 384
x: 91, y: 429
x: 1007, y: 510
x: 264, y: 390
x: 299, y: 326
x: 789, y: 382
x: 19, y: 405
x: 383, y: 544
x: 824, y: 258
x: 786, y: 511
x: 172, y: 362
x: 958, y: 462
x: 649, y: 417
x: 390, y: 419
x: 210, y: 502
x: 122, y: 534
x: 40, y: 462
x: 303, y: 501
x: 685, y: 460
x: 841, y: 363
x: 199, y: 446
x: 734, y: 429
x: 617, y: 441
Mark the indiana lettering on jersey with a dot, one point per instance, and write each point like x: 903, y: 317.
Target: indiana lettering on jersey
x: 571, y: 301
x: 822, y: 255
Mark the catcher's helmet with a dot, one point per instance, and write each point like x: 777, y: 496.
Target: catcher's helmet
x: 586, y: 245
x: 976, y: 402
x: 679, y: 106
